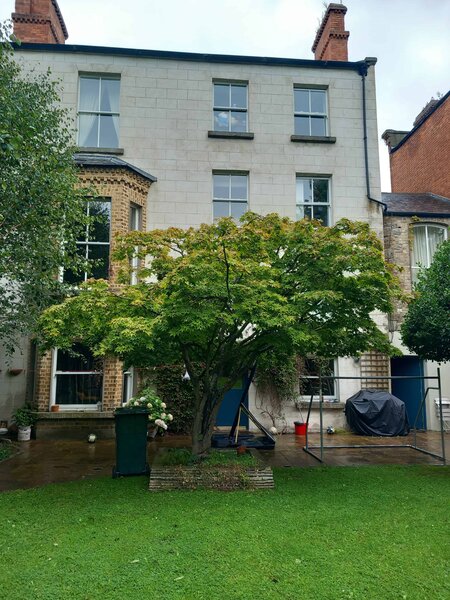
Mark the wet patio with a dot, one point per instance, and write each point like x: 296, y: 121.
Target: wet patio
x: 43, y: 461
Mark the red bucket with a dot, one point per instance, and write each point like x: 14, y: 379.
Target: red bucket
x: 300, y: 428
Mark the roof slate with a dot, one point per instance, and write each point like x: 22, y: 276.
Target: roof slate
x: 109, y: 162
x: 416, y: 204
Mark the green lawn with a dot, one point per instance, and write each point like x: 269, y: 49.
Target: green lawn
x: 363, y: 533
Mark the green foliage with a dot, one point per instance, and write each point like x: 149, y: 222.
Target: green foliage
x: 24, y: 416
x: 6, y: 450
x: 426, y: 328
x: 41, y: 208
x: 218, y: 297
x: 177, y: 393
x: 214, y: 458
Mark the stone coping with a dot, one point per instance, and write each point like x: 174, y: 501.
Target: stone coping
x: 75, y: 414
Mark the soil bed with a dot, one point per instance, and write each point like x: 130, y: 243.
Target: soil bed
x: 219, y: 470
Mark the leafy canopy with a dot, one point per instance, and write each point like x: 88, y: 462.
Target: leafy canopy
x: 426, y: 328
x: 221, y: 296
x: 224, y: 293
x: 41, y: 208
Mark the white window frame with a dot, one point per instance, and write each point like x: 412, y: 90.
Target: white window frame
x: 56, y: 373
x: 128, y: 379
x: 229, y: 199
x: 310, y: 114
x: 135, y: 224
x: 86, y: 243
x: 312, y: 203
x: 327, y: 397
x: 229, y: 108
x: 416, y: 268
x: 99, y: 113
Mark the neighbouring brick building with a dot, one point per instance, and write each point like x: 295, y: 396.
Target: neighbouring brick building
x: 419, y: 159
x: 220, y: 134
x: 416, y: 221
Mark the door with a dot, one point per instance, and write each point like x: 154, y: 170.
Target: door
x: 230, y: 405
x: 409, y: 390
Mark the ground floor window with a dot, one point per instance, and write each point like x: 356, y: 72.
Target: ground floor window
x: 77, y: 378
x: 128, y: 385
x: 310, y: 382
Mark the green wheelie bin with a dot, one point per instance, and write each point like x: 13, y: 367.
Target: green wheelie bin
x: 131, y: 442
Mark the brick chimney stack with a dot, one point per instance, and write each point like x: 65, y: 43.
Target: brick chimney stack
x: 331, y: 38
x: 39, y: 21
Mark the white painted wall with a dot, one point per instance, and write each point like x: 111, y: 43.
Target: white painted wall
x: 12, y: 387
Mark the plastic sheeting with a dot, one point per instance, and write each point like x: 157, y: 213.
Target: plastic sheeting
x: 376, y: 413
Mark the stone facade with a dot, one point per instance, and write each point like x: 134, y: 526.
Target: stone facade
x: 165, y: 123
x: 166, y: 113
x: 398, y: 247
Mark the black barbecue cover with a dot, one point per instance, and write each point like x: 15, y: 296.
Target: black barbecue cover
x: 374, y: 412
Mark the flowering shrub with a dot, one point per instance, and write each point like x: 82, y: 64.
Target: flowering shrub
x: 148, y: 399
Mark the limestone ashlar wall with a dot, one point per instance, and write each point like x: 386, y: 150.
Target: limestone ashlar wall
x: 166, y: 111
x: 421, y: 164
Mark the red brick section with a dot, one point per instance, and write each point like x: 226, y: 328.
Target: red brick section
x: 421, y: 163
x: 331, y: 38
x: 124, y: 188
x: 39, y: 21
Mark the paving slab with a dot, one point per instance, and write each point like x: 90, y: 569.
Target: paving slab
x: 40, y: 462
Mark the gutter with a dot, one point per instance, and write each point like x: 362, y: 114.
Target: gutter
x: 190, y: 56
x: 364, y: 66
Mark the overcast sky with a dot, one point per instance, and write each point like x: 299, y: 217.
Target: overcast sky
x: 410, y: 38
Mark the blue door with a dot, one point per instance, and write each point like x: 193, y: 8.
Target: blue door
x: 230, y: 405
x: 409, y: 390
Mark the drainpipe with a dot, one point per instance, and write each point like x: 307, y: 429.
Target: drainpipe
x: 364, y: 66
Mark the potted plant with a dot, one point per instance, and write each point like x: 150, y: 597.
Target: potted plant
x: 24, y: 418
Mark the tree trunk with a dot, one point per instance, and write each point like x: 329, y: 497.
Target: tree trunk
x: 203, y: 427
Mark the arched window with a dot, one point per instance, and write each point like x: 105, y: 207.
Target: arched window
x: 426, y: 239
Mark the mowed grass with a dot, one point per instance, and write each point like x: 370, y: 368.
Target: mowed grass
x: 363, y: 533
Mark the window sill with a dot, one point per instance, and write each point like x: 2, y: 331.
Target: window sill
x: 95, y: 150
x: 326, y: 405
x: 231, y: 135
x: 313, y: 139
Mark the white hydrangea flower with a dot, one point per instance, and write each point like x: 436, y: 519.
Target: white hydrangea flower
x: 163, y: 405
x: 149, y: 404
x: 161, y: 424
x: 163, y: 415
x: 170, y: 417
x: 142, y: 398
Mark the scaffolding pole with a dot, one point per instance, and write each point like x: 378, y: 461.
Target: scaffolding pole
x: 309, y: 449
